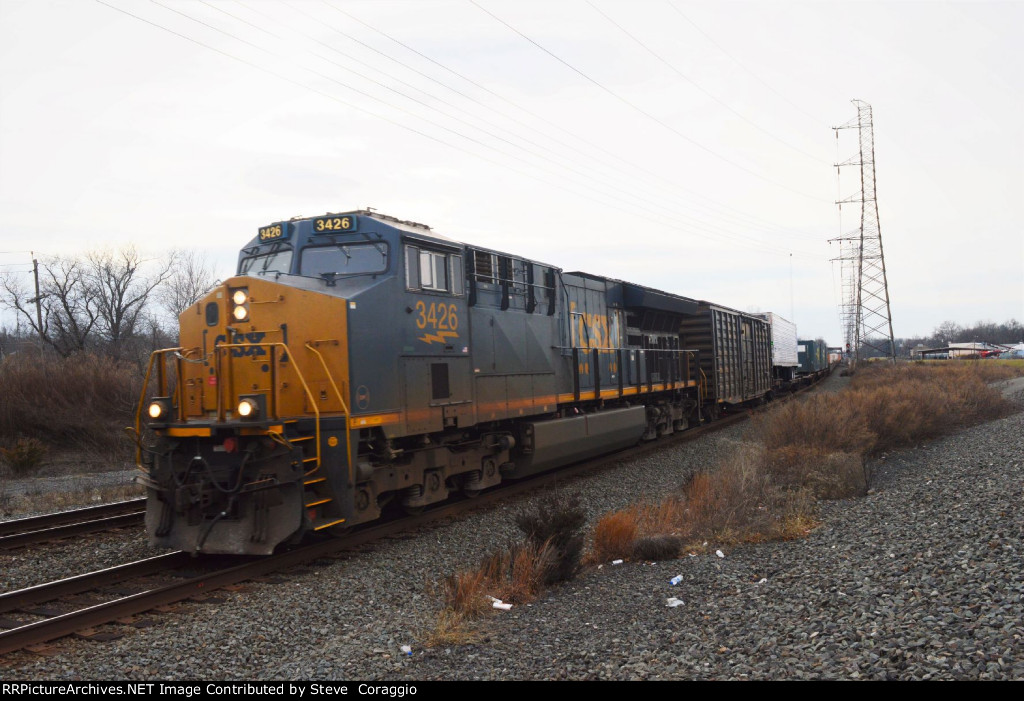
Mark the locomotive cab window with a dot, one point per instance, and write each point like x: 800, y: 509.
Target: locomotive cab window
x: 436, y: 271
x: 279, y: 261
x: 344, y: 259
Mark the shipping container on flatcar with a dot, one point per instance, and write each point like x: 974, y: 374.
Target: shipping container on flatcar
x: 735, y: 352
x: 812, y: 356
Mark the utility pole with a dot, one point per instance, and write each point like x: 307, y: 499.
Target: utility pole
x: 865, y: 311
x: 39, y: 302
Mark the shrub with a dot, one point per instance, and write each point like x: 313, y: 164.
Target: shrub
x: 24, y: 455
x: 657, y: 547
x: 465, y: 593
x: 556, y: 524
x: 904, y: 404
x: 828, y: 422
x: 734, y: 502
x: 827, y: 475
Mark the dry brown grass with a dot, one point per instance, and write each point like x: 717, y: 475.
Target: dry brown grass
x: 740, y: 501
x: 827, y: 475
x: 808, y: 450
x: 907, y: 403
x: 466, y: 593
x: 80, y: 401
x: 826, y: 422
x: 450, y: 628
x: 613, y: 536
x: 737, y: 502
x: 768, y: 489
x: 515, y: 575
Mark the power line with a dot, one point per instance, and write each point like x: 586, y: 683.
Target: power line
x: 695, y: 84
x: 739, y: 63
x: 719, y: 208
x: 547, y: 156
x: 726, y: 235
x: 645, y: 113
x: 670, y: 224
x: 704, y: 227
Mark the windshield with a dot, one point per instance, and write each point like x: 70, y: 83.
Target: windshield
x: 273, y: 262
x: 344, y: 259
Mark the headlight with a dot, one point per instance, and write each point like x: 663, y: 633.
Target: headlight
x: 240, y: 300
x: 159, y: 409
x: 247, y: 409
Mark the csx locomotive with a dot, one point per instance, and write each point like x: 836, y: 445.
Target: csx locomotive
x: 357, y: 359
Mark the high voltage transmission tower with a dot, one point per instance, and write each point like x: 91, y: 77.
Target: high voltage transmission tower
x: 864, y: 310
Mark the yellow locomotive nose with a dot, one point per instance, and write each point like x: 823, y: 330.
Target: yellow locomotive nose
x: 246, y: 412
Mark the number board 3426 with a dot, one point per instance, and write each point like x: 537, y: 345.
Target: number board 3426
x: 335, y: 224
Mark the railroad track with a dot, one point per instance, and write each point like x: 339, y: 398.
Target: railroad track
x: 64, y: 524
x: 62, y: 616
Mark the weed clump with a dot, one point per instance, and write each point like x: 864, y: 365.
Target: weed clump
x: 556, y: 524
x: 614, y: 535
x: 657, y: 547
x: 515, y: 575
x: 24, y: 455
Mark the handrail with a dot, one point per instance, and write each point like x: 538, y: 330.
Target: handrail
x: 221, y: 410
x: 344, y: 408
x: 302, y: 380
x: 142, y: 400
x: 657, y: 355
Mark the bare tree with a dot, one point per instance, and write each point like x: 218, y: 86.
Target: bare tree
x: 191, y: 278
x: 947, y: 332
x: 122, y: 289
x: 68, y: 306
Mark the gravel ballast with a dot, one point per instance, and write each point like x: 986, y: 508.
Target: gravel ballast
x: 921, y: 579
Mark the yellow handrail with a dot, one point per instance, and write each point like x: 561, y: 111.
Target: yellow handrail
x: 142, y: 400
x: 302, y: 380
x: 344, y: 408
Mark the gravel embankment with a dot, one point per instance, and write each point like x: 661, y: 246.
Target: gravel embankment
x: 922, y: 578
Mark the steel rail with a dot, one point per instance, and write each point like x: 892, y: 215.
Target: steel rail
x: 71, y: 529
x: 60, y: 518
x: 14, y: 600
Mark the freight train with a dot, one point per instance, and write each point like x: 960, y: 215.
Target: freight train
x: 357, y: 360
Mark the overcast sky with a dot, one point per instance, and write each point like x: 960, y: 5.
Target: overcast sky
x: 687, y: 146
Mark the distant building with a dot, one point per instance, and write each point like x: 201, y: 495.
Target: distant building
x: 957, y: 350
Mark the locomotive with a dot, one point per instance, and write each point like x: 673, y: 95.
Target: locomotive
x: 357, y: 359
